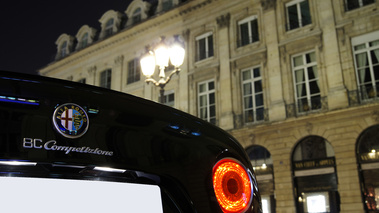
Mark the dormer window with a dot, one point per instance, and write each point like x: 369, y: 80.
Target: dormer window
x: 110, y: 23
x: 137, y: 16
x: 63, y: 48
x: 85, y: 37
x: 137, y: 11
x: 109, y: 27
x: 64, y: 45
x: 84, y: 41
x: 167, y: 4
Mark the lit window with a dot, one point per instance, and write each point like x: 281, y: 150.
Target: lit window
x: 248, y: 31
x: 134, y: 71
x: 354, y: 4
x: 253, y: 106
x: 366, y: 56
x: 306, y: 80
x: 298, y: 14
x: 105, y: 78
x: 204, y: 46
x: 109, y: 27
x: 207, y: 101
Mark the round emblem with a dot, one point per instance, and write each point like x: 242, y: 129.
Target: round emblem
x: 70, y: 120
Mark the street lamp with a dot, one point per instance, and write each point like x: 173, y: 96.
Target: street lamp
x: 160, y: 57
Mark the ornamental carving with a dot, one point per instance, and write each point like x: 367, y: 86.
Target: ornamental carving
x: 223, y: 21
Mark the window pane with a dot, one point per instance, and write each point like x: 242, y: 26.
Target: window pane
x: 352, y: 4
x: 249, y: 116
x: 212, y: 111
x: 247, y: 90
x: 299, y: 76
x: 305, y: 14
x: 248, y: 102
x: 313, y: 86
x: 260, y: 114
x: 246, y: 75
x: 301, y: 90
x: 202, y: 88
x: 258, y: 86
x: 210, y: 46
x: 256, y: 72
x: 359, y: 47
x: 244, y: 28
x: 259, y: 100
x: 211, y: 98
x: 310, y: 57
x: 293, y: 17
x: 254, y: 30
x: 316, y: 102
x: 203, y: 100
x: 211, y: 85
x: 298, y: 61
x: 312, y: 73
x: 202, y: 50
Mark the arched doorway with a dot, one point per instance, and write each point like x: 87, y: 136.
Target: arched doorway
x: 314, y: 176
x: 262, y: 163
x: 368, y: 163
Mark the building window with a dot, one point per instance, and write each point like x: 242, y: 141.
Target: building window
x: 262, y: 163
x: 307, y: 87
x: 169, y: 98
x: 204, y: 46
x: 314, y: 176
x: 134, y: 71
x: 109, y: 27
x: 105, y: 78
x: 64, y: 49
x: 298, y: 14
x: 84, y: 41
x: 368, y: 160
x: 366, y: 56
x: 167, y: 4
x: 83, y: 81
x: 248, y: 31
x: 354, y: 4
x: 253, y: 106
x: 136, y: 16
x: 207, y: 101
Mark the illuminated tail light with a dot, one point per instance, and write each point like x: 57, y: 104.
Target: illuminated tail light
x: 232, y: 186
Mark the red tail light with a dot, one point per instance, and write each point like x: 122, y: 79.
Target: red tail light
x: 232, y: 186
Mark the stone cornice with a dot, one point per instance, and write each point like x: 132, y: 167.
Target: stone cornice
x: 127, y: 33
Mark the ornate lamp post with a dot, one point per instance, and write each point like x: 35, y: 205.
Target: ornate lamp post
x: 160, y: 57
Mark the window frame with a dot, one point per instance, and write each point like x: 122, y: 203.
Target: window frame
x: 208, y: 46
x: 311, y: 98
x: 207, y: 106
x: 366, y: 40
x: 252, y: 111
x: 250, y: 31
x: 300, y: 20
x: 361, y: 4
x: 106, y: 78
x: 108, y: 30
x: 134, y: 73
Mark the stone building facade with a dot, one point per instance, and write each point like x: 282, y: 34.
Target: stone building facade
x: 295, y: 81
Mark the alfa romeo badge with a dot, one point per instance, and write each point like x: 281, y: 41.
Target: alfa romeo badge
x: 70, y: 120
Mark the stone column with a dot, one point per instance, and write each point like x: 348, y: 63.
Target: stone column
x: 276, y: 103
x: 92, y: 76
x: 117, y: 74
x: 225, y: 109
x: 337, y: 94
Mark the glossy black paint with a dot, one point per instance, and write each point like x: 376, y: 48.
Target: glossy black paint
x: 154, y: 143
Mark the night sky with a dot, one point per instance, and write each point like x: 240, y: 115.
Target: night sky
x: 29, y: 29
